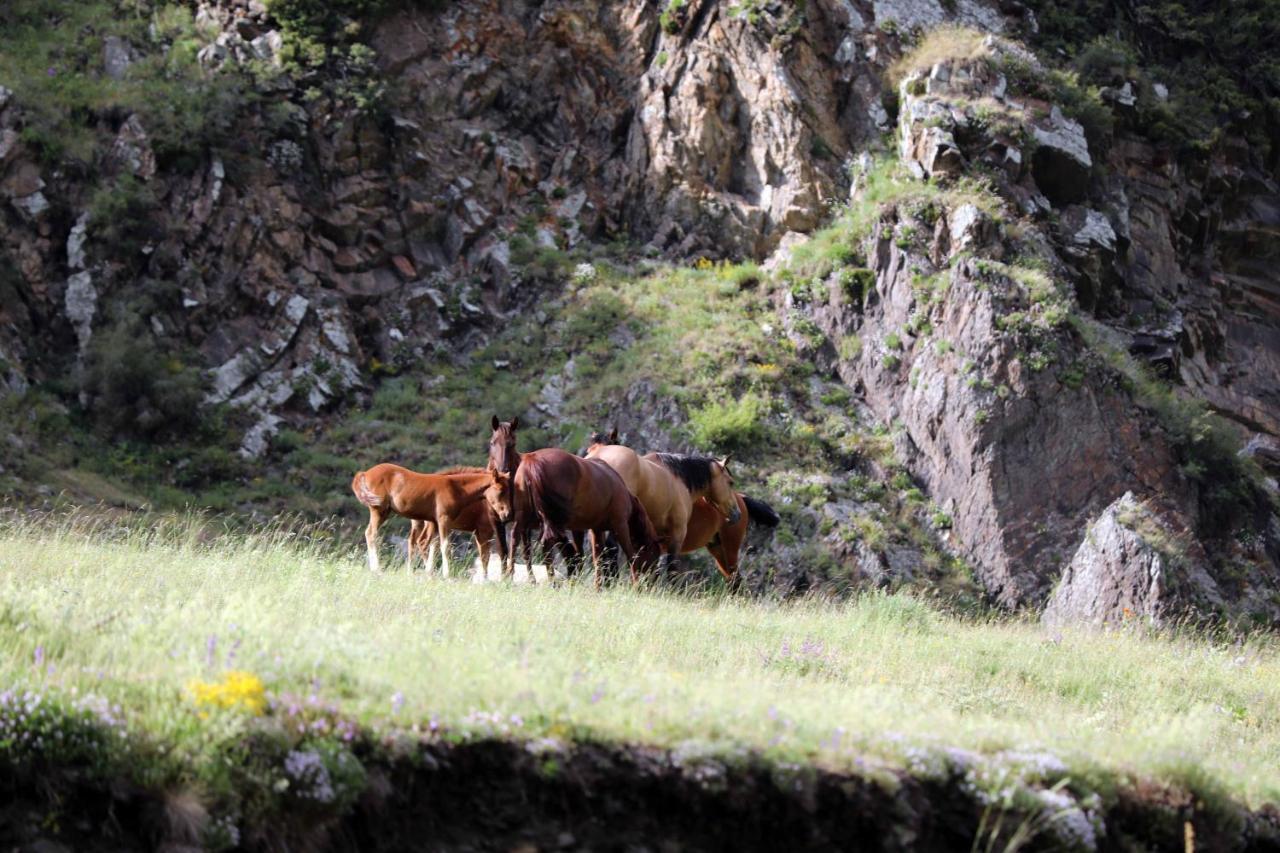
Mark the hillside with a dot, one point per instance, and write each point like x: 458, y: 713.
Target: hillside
x: 951, y: 280
x: 173, y: 685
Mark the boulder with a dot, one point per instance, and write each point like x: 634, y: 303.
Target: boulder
x: 1130, y: 565
x: 1061, y: 163
x: 81, y: 302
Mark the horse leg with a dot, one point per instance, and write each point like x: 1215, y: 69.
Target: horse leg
x: 426, y: 543
x: 597, y: 546
x: 622, y: 533
x: 371, y: 537
x: 443, y: 524
x: 482, y: 547
x: 527, y: 544
x: 432, y: 545
x: 670, y: 560
x: 499, y: 534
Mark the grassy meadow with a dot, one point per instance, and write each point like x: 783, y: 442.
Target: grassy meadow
x: 136, y: 628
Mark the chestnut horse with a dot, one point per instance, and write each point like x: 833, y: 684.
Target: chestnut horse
x: 708, y: 528
x: 443, y: 500
x: 475, y: 518
x: 668, y: 484
x: 561, y: 493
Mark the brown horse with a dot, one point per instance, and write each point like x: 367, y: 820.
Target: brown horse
x: 668, y: 484
x: 475, y: 518
x: 708, y: 527
x: 561, y: 493
x: 442, y: 500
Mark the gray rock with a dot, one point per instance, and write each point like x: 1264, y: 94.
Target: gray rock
x: 1129, y: 566
x: 1089, y: 228
x: 8, y: 144
x: 81, y: 303
x: 6, y: 95
x: 1061, y: 163
x: 117, y: 56
x: 32, y: 207
x: 75, y: 242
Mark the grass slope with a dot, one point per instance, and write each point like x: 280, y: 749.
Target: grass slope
x: 134, y: 616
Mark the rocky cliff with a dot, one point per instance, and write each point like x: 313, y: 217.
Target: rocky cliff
x: 1022, y: 303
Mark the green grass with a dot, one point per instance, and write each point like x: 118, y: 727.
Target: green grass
x: 135, y: 615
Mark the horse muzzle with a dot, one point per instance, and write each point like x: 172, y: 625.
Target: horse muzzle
x: 734, y: 515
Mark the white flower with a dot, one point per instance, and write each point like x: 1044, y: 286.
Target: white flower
x: 584, y: 273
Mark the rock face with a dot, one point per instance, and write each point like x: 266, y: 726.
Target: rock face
x: 330, y: 243
x: 1129, y: 566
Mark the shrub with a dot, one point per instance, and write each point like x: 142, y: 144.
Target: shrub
x: 730, y: 425
x: 135, y: 389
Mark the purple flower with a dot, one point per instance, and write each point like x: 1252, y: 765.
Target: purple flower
x: 397, y: 702
x: 52, y: 72
x: 39, y: 655
x: 211, y: 651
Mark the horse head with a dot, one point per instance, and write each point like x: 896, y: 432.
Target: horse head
x: 502, y: 445
x: 720, y: 493
x: 500, y: 495
x: 599, y: 439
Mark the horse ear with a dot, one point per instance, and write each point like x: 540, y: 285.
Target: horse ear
x: 494, y: 423
x: 515, y: 422
x: 724, y: 463
x: 613, y: 436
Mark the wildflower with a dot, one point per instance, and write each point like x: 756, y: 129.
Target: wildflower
x: 397, y: 702
x: 584, y: 273
x: 39, y: 655
x: 703, y: 263
x: 237, y: 691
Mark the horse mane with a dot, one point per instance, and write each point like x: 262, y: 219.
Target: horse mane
x: 552, y: 507
x: 693, y: 471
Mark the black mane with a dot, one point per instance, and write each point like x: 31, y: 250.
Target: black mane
x: 693, y: 471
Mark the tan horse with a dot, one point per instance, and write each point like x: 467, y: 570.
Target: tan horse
x: 440, y: 499
x: 708, y: 528
x: 667, y: 485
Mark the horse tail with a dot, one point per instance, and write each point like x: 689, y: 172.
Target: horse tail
x: 365, y: 493
x: 551, y: 507
x: 643, y: 533
x: 760, y: 512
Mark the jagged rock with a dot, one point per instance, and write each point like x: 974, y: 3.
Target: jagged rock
x: 233, y: 375
x: 81, y: 304
x: 1089, y: 229
x: 75, y: 242
x: 132, y: 149
x: 1131, y: 565
x: 1061, y: 163
x: 32, y: 207
x: 6, y: 95
x: 117, y: 56
x: 8, y: 144
x: 969, y: 228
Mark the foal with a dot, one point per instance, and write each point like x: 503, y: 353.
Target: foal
x: 437, y: 499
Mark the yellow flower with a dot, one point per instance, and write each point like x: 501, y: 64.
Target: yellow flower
x: 704, y: 263
x: 237, y: 691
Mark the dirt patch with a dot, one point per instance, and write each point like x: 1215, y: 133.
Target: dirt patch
x: 503, y: 795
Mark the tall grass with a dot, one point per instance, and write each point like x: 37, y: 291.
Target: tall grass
x: 134, y: 612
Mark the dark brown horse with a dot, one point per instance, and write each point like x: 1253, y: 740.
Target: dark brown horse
x: 504, y: 457
x: 560, y: 493
x: 708, y: 527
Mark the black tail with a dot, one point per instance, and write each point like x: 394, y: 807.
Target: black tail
x: 760, y: 512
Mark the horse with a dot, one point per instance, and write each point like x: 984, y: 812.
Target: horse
x: 668, y: 484
x: 562, y: 493
x: 475, y: 518
x: 708, y: 528
x: 443, y: 500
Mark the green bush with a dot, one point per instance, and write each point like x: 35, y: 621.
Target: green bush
x: 732, y: 425
x: 134, y: 389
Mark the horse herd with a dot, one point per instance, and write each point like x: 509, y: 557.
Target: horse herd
x: 654, y: 507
